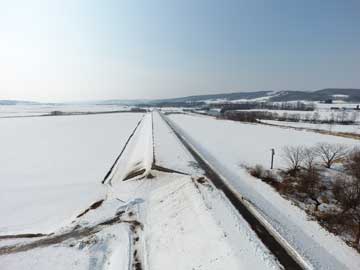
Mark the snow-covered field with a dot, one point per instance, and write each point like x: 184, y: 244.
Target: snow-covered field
x: 156, y: 209
x: 33, y: 110
x: 248, y: 144
x: 153, y: 220
x: 326, y: 127
x: 52, y: 167
x: 228, y: 145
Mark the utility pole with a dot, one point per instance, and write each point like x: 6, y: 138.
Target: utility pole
x: 272, y: 158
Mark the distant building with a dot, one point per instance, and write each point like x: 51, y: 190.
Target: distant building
x: 328, y: 101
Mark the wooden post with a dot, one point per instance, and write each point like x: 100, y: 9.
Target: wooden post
x: 272, y: 158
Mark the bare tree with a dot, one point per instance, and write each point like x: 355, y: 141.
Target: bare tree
x: 309, y: 183
x: 294, y: 157
x: 347, y: 192
x: 316, y: 117
x: 309, y: 158
x: 331, y: 153
x: 354, y: 116
x: 352, y: 163
x: 344, y: 116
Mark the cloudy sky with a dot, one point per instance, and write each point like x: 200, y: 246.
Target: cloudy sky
x: 63, y: 50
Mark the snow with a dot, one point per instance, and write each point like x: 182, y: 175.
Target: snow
x: 138, y: 154
x: 57, y: 258
x: 249, y: 144
x: 182, y: 232
x: 185, y: 224
x: 215, y: 101
x: 322, y: 113
x: 169, y: 153
x: 326, y: 127
x: 107, y: 248
x: 52, y: 167
x: 340, y: 96
x: 53, y: 171
x: 41, y: 109
x: 239, y: 143
x: 336, y: 103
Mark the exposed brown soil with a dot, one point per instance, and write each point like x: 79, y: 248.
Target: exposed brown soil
x: 76, y: 233
x: 25, y: 235
x: 134, y: 174
x: 163, y: 169
x: 92, y: 207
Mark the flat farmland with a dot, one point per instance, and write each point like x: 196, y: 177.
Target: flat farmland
x: 52, y: 167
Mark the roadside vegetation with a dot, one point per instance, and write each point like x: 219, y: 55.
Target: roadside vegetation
x: 323, y: 180
x: 342, y: 117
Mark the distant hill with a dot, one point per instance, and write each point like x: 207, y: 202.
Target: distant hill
x: 347, y: 95
x: 229, y: 96
x: 17, y: 102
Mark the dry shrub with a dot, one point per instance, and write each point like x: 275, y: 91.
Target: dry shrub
x: 258, y: 171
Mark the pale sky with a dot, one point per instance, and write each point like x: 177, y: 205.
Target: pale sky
x: 69, y: 50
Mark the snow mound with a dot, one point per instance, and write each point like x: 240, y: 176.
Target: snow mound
x: 137, y: 156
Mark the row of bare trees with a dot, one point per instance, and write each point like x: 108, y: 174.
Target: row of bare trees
x: 303, y: 166
x: 306, y: 157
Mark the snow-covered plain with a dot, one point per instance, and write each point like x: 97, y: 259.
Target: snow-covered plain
x: 159, y: 221
x: 355, y: 129
x: 36, y: 110
x: 248, y: 144
x: 52, y: 167
x: 228, y: 145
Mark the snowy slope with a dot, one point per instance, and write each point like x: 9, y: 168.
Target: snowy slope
x: 169, y: 153
x: 138, y: 154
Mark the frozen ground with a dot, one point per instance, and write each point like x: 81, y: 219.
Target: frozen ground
x: 234, y: 144
x: 52, y: 167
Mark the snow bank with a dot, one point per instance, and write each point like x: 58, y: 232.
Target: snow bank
x: 169, y: 153
x: 138, y: 154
